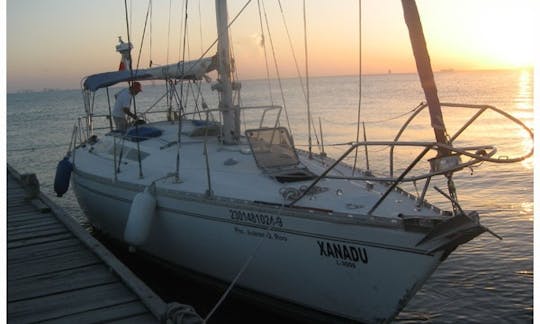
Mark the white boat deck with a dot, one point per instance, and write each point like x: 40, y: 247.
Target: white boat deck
x: 234, y: 174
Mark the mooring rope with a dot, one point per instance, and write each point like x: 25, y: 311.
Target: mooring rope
x: 245, y: 265
x: 181, y: 313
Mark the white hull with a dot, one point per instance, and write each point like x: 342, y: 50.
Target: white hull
x: 214, y: 195
x: 327, y: 251
x: 299, y: 260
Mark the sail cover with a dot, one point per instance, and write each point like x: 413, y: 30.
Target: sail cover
x: 190, y: 70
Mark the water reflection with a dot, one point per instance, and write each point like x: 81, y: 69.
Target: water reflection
x: 527, y: 209
x: 523, y: 99
x: 524, y: 107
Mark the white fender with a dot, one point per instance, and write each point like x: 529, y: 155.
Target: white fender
x: 140, y: 218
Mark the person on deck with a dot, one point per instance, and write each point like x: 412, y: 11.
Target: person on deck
x: 122, y: 105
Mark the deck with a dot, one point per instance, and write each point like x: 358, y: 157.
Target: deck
x: 57, y: 272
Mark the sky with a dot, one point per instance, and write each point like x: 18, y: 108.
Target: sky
x: 55, y: 43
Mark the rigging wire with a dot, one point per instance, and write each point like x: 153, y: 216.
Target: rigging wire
x: 180, y: 106
x: 292, y: 50
x: 228, y: 26
x: 199, y: 83
x: 133, y: 97
x: 144, y: 33
x: 380, y: 121
x: 196, y: 96
x: 307, y: 81
x: 151, y: 19
x: 297, y: 70
x: 127, y: 28
x: 263, y: 43
x: 169, y: 33
x: 234, y: 70
x: 109, y: 106
x: 183, y: 30
x: 359, y: 84
x: 277, y: 69
x: 200, y: 28
x: 130, y: 12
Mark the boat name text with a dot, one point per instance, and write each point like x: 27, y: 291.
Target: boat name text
x: 342, y: 252
x: 255, y: 218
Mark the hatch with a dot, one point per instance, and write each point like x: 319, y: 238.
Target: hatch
x: 274, y: 153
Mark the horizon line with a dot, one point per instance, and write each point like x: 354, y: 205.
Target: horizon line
x: 446, y: 70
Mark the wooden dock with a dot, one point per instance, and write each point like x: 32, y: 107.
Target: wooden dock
x: 57, y: 272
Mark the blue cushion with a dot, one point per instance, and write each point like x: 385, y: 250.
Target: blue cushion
x: 142, y: 133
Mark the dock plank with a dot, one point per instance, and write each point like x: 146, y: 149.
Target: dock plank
x: 17, y: 205
x: 57, y: 272
x: 23, y: 213
x: 37, y: 240
x: 30, y: 228
x: 23, y: 225
x: 55, y: 282
x: 102, y: 315
x: 30, y: 223
x: 44, y: 250
x: 67, y: 303
x: 37, y: 233
x: 61, y: 262
x: 29, y: 218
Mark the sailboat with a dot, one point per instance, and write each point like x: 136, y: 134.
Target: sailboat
x: 244, y: 206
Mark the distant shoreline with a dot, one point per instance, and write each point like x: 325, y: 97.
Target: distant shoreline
x: 445, y: 70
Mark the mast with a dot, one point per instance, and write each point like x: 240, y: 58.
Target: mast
x: 231, y: 123
x: 425, y: 72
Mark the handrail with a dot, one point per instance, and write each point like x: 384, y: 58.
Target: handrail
x: 85, y: 132
x: 483, y: 153
x: 475, y: 158
x: 482, y: 109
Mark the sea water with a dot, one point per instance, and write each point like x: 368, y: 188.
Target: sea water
x: 484, y: 281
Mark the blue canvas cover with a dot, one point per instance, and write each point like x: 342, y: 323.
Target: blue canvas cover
x: 190, y: 70
x: 142, y: 133
x: 106, y: 79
